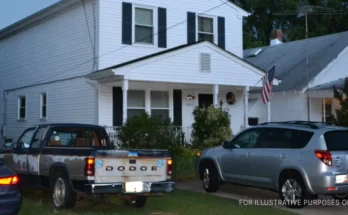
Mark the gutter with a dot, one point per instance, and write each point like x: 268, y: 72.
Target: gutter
x: 3, y: 129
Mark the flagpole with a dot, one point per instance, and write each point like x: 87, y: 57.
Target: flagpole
x: 269, y: 111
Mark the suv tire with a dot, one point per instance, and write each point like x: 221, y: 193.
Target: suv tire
x: 63, y: 195
x: 290, y: 186
x: 340, y: 197
x: 210, y: 178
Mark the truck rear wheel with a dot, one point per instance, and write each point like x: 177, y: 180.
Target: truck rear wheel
x: 64, y: 197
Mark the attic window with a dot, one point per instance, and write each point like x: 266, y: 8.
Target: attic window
x: 205, y: 62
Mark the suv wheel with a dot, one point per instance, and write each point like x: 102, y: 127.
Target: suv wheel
x: 64, y: 197
x: 340, y: 197
x: 210, y: 179
x: 292, y: 192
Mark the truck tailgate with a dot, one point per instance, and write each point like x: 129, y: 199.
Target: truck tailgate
x: 125, y: 166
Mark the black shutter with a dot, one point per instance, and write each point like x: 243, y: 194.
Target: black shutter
x: 126, y: 23
x: 177, y: 97
x: 162, y: 27
x: 191, y: 27
x: 117, y: 106
x: 221, y: 32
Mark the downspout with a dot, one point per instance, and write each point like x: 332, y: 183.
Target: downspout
x: 3, y: 130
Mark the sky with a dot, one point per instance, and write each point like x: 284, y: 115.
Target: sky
x: 12, y: 11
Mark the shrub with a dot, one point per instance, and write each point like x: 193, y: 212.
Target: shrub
x: 211, y: 127
x: 146, y: 132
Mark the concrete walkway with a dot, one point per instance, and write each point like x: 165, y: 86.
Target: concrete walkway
x: 245, y: 195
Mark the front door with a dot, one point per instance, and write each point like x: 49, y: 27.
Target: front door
x: 34, y: 151
x: 236, y: 163
x: 205, y: 100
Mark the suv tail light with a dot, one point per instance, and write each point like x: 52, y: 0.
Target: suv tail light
x: 9, y: 180
x: 169, y: 167
x: 89, y: 166
x: 324, y: 156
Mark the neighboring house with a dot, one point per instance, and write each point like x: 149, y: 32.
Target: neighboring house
x: 103, y: 61
x: 291, y: 100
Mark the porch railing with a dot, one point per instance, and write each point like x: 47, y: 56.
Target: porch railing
x: 112, y: 132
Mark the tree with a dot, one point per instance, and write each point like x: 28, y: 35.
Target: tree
x: 342, y: 113
x: 258, y: 26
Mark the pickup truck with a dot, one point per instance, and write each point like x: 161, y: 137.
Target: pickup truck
x: 79, y: 158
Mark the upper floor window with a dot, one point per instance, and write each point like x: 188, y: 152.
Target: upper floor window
x: 206, y: 28
x: 43, y: 108
x: 22, y: 107
x: 144, y: 25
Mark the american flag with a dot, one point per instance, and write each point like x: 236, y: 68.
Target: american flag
x: 267, y: 81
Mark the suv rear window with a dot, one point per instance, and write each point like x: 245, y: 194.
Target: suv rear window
x: 336, y: 140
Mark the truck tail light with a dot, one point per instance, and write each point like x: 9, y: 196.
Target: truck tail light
x: 169, y: 167
x: 324, y: 156
x: 89, y: 166
x: 9, y: 180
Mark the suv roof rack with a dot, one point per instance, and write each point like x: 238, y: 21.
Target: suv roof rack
x: 311, y: 124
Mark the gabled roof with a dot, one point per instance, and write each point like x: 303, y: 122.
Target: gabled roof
x: 172, y: 50
x: 291, y: 59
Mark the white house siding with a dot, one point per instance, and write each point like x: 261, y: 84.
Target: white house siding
x: 69, y: 101
x: 113, y: 52
x: 183, y: 66
x: 335, y: 70
x: 48, y: 51
x: 235, y: 110
x: 285, y: 106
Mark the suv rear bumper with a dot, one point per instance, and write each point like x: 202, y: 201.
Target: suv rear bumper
x: 119, y: 188
x: 325, y: 184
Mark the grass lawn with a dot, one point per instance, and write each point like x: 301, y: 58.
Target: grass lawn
x: 179, y: 202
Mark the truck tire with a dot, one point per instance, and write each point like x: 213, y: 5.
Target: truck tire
x: 63, y: 195
x: 210, y: 178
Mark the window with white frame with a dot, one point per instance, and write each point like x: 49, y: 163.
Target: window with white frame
x: 135, y: 103
x: 205, y: 28
x: 22, y: 107
x: 43, y: 106
x: 144, y: 25
x: 160, y: 104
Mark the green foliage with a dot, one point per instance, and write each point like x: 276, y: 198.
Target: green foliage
x: 264, y: 19
x: 146, y: 132
x: 211, y: 127
x: 184, y: 167
x: 342, y: 114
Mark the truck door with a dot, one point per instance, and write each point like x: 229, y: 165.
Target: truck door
x: 34, y: 151
x: 19, y: 161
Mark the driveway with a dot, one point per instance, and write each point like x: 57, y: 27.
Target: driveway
x: 263, y: 197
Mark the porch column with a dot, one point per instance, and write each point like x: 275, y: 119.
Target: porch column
x: 324, y: 111
x: 216, y: 95
x: 246, y: 106
x: 148, y: 101
x: 125, y: 99
x: 269, y: 111
x: 171, y: 104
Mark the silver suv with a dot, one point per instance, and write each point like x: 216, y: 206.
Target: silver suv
x: 300, y: 160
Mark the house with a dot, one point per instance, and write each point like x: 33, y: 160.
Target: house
x: 103, y: 61
x: 299, y: 96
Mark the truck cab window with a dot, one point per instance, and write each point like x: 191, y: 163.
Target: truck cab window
x: 26, y: 138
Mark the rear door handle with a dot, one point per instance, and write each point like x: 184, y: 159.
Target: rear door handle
x: 247, y: 154
x: 283, y: 156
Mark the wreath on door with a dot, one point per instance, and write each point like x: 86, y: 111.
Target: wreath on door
x: 230, y: 98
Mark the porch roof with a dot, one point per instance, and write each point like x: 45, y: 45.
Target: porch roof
x: 339, y: 84
x: 109, y: 70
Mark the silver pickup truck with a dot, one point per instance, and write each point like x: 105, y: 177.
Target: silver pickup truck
x: 79, y: 158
